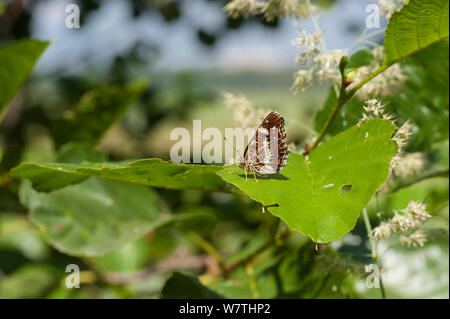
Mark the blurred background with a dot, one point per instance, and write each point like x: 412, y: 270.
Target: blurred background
x: 192, y: 52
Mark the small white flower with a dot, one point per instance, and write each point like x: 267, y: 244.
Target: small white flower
x: 374, y: 109
x: 418, y: 210
x: 410, y: 218
x: 389, y: 7
x: 319, y: 67
x: 409, y: 164
x: 416, y: 239
x: 244, y: 114
x: 383, y: 231
x: 386, y: 83
x: 271, y: 9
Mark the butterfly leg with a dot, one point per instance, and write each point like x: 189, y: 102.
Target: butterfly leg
x: 245, y: 172
x: 254, y: 176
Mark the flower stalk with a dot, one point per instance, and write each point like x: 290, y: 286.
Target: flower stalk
x: 344, y: 97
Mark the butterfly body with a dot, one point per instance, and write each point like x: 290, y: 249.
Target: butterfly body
x: 267, y: 152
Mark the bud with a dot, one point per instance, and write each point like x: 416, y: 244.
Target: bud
x: 343, y: 63
x: 351, y: 74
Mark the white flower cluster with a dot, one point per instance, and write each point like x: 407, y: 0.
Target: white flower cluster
x: 416, y: 239
x: 271, y: 9
x: 374, y: 109
x: 403, y: 135
x: 401, y: 164
x: 387, y: 83
x: 244, y: 114
x: 410, y: 218
x: 409, y: 164
x: 389, y: 7
x: 319, y: 67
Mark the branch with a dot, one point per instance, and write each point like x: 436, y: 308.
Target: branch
x: 274, y: 237
x: 443, y: 173
x: 344, y: 97
x: 208, y: 248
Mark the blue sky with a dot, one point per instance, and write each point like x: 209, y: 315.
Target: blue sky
x: 112, y: 30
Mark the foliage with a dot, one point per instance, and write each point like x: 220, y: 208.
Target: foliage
x: 430, y: 21
x: 151, y: 228
x: 17, y: 61
x: 96, y: 112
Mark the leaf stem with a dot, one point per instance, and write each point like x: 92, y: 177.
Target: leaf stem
x: 273, y: 238
x: 252, y: 280
x: 208, y: 248
x: 373, y: 249
x: 316, y: 24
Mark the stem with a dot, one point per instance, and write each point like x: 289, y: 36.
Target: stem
x: 367, y: 79
x: 208, y: 248
x: 274, y: 237
x: 316, y: 24
x: 343, y: 98
x: 443, y: 173
x: 252, y: 280
x: 373, y: 248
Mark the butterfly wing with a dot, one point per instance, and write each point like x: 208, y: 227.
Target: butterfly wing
x: 267, y: 152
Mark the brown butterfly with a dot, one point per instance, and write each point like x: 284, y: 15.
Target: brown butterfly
x: 267, y: 152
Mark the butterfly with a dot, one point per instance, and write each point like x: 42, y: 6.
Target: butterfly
x: 267, y: 152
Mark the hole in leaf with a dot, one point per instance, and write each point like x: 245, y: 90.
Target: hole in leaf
x: 345, y: 188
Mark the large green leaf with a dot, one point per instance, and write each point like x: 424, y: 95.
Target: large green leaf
x: 152, y: 172
x: 95, y: 216
x: 417, y: 25
x: 16, y: 62
x: 322, y: 195
x: 96, y: 112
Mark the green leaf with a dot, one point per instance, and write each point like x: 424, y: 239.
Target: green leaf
x: 180, y: 286
x: 16, y: 62
x: 360, y: 58
x: 96, y: 112
x: 152, y: 172
x: 309, y: 192
x: 93, y: 217
x: 2, y: 8
x: 30, y: 281
x: 424, y: 98
x: 417, y: 25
